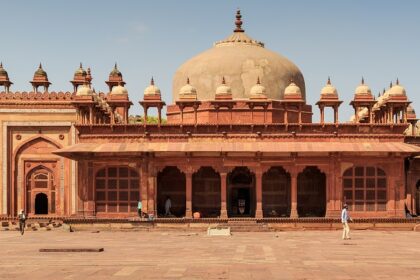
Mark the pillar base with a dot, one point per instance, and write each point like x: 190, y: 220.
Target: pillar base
x: 258, y: 214
x: 223, y: 214
x: 188, y: 214
x: 294, y: 214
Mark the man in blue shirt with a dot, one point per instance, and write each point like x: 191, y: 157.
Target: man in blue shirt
x: 345, y: 217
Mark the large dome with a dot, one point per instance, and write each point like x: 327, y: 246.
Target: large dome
x: 241, y: 60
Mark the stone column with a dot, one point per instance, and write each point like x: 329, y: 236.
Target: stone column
x: 188, y: 194
x: 223, y: 209
x: 151, y: 190
x: 143, y: 186
x: 258, y: 177
x: 293, y: 196
x: 321, y: 108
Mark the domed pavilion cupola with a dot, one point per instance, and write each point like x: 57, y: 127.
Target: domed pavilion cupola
x: 258, y: 91
x: 188, y: 100
x: 152, y: 98
x: 397, y: 103
x: 119, y: 102
x: 412, y: 119
x: 4, y: 79
x: 293, y: 100
x: 258, y: 99
x: 40, y: 79
x: 79, y: 78
x: 223, y: 92
x: 329, y: 98
x: 363, y: 98
x: 115, y: 78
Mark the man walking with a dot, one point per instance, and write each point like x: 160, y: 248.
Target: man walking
x: 22, y: 221
x: 345, y: 217
x: 168, y: 205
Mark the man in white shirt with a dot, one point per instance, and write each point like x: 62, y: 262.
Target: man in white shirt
x: 345, y: 217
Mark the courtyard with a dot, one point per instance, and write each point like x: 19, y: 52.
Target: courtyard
x: 186, y: 255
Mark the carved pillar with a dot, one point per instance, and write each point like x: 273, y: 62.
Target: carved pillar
x: 143, y: 186
x: 258, y: 177
x: 159, y: 115
x: 223, y: 209
x: 188, y: 193
x: 293, y: 196
x: 151, y: 190
x: 88, y: 189
x: 321, y: 108
x: 335, y: 114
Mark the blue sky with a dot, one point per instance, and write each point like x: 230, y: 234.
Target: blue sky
x: 346, y: 40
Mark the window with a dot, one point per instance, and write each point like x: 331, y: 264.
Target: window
x: 364, y: 188
x: 117, y: 190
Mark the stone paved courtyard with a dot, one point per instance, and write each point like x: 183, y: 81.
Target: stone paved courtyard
x: 180, y: 255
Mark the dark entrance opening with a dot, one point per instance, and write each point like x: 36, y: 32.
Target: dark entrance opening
x: 206, y: 192
x: 276, y: 192
x: 41, y: 204
x: 241, y: 193
x: 171, y: 184
x: 311, y: 193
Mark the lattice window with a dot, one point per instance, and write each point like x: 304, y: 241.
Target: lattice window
x: 117, y: 190
x: 365, y: 188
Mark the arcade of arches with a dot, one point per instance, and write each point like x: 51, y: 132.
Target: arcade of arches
x: 240, y: 191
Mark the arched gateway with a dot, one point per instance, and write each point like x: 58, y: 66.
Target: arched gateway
x: 241, y: 193
x: 311, y: 193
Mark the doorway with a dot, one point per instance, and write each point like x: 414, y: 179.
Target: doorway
x: 241, y: 193
x: 41, y: 204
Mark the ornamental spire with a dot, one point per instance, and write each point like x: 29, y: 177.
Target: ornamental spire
x: 152, y: 82
x: 238, y: 22
x: 329, y: 81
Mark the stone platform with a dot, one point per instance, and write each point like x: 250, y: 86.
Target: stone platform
x: 369, y: 255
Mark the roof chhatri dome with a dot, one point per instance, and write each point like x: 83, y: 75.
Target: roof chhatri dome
x: 329, y: 89
x: 119, y: 90
x: 84, y: 90
x: 241, y: 60
x: 397, y: 90
x: 3, y: 72
x: 363, y: 89
x: 292, y: 89
x: 115, y: 72
x: 80, y: 71
x: 223, y: 89
x: 188, y: 89
x: 258, y: 89
x: 40, y: 72
x: 152, y: 89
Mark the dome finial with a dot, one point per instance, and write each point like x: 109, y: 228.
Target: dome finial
x: 258, y: 80
x: 397, y: 82
x: 115, y: 66
x: 40, y: 66
x: 363, y: 80
x: 188, y: 80
x: 152, y: 82
x: 80, y: 65
x: 238, y: 21
x: 329, y: 81
x: 390, y: 84
x: 223, y: 80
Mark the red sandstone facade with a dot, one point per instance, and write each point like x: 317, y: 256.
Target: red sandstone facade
x: 76, y: 154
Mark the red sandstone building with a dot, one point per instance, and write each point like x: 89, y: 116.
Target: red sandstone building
x: 239, y: 141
